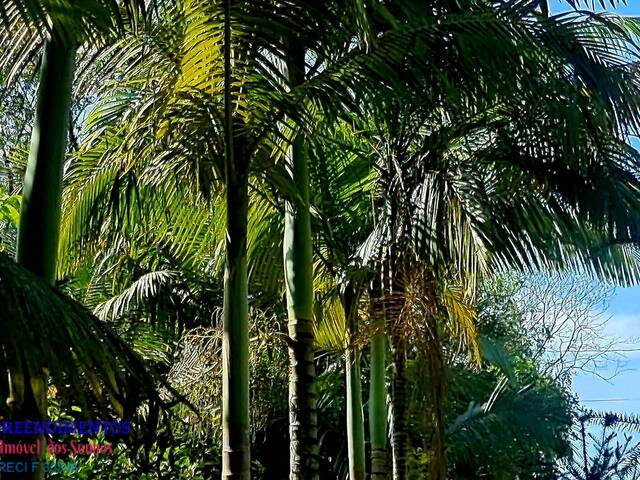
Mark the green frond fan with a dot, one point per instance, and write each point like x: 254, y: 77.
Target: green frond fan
x: 41, y: 329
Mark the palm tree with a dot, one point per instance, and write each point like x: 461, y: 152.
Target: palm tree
x: 341, y: 176
x: 378, y: 400
x: 40, y: 213
x: 435, y: 215
x: 235, y: 350
x: 298, y: 275
x: 41, y: 194
x: 264, y: 127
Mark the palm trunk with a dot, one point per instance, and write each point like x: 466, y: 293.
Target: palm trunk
x: 299, y: 281
x: 235, y: 343
x: 400, y: 437
x: 235, y: 353
x: 393, y: 302
x: 437, y: 380
x: 355, y: 417
x: 298, y: 273
x: 378, y: 407
x: 40, y: 216
x: 42, y: 190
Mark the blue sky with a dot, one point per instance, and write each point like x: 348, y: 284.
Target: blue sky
x: 633, y: 7
x: 623, y: 392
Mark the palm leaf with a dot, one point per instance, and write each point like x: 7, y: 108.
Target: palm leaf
x: 43, y: 329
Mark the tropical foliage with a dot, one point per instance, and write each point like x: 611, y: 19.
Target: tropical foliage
x: 357, y: 199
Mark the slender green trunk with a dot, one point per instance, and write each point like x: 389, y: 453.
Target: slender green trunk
x: 235, y: 343
x: 393, y: 301
x: 378, y: 406
x: 235, y: 352
x: 400, y: 438
x: 298, y: 273
x: 42, y: 190
x: 299, y: 281
x: 436, y: 375
x: 355, y: 417
x: 40, y: 216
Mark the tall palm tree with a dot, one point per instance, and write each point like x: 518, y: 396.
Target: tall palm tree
x: 235, y: 350
x: 41, y: 193
x: 535, y: 249
x: 62, y: 26
x: 265, y: 126
x: 435, y: 213
x: 378, y: 395
x: 342, y: 175
x: 298, y: 275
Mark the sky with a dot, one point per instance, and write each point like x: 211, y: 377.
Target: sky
x: 621, y: 394
x: 632, y: 7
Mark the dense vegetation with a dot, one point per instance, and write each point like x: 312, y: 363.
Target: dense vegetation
x: 374, y: 203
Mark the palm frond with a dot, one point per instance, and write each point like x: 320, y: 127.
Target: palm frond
x: 43, y: 329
